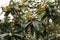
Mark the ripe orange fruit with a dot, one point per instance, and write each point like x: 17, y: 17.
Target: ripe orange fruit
x: 30, y: 16
x: 43, y: 6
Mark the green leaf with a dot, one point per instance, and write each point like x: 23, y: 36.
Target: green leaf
x: 32, y: 30
x: 36, y: 25
x: 3, y: 35
x: 19, y: 35
x: 27, y: 14
x: 41, y: 15
x: 24, y: 0
x: 26, y: 25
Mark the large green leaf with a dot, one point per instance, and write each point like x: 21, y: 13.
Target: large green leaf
x: 36, y: 25
x: 19, y: 35
x: 3, y: 35
x: 32, y: 30
x: 14, y: 37
x: 41, y: 15
x: 27, y: 24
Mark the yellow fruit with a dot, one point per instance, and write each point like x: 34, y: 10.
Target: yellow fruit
x: 43, y: 6
x: 7, y: 8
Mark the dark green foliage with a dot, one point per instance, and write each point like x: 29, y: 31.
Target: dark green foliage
x: 23, y: 27
x: 7, y: 13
